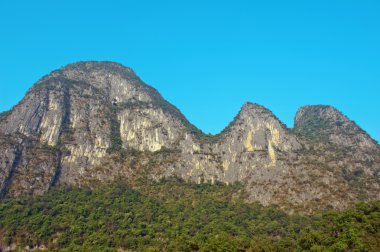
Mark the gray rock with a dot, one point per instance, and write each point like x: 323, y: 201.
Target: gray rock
x: 92, y: 122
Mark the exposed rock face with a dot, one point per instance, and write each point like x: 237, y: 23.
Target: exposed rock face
x: 91, y: 122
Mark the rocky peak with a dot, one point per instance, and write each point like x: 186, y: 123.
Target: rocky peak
x: 256, y: 128
x: 327, y: 124
x: 254, y: 108
x: 89, y: 69
x: 323, y: 113
x: 248, y: 112
x: 257, y: 111
x: 117, y: 82
x: 111, y: 84
x: 91, y: 122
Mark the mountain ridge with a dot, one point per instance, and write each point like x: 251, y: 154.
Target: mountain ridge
x: 90, y: 122
x: 113, y: 65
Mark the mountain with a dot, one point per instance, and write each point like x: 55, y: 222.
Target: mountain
x: 94, y: 122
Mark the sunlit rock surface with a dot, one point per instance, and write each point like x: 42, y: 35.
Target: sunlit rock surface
x: 91, y: 122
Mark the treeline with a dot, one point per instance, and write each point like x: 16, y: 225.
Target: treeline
x: 173, y: 215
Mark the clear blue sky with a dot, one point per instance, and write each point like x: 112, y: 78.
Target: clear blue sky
x: 207, y: 57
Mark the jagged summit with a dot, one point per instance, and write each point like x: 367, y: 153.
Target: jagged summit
x: 91, y: 122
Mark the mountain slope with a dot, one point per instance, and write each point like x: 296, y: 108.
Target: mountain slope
x: 92, y: 122
x: 172, y: 215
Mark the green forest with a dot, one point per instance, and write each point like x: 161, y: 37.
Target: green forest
x: 173, y: 215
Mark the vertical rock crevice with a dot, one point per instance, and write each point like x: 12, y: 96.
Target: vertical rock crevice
x: 46, y: 101
x: 8, y: 181
x: 58, y: 169
x: 65, y: 130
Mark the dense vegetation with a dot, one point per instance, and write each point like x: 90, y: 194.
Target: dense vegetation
x: 173, y: 215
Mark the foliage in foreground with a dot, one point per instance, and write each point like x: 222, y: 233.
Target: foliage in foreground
x: 176, y: 216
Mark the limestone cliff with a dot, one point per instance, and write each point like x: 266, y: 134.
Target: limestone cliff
x: 91, y: 122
